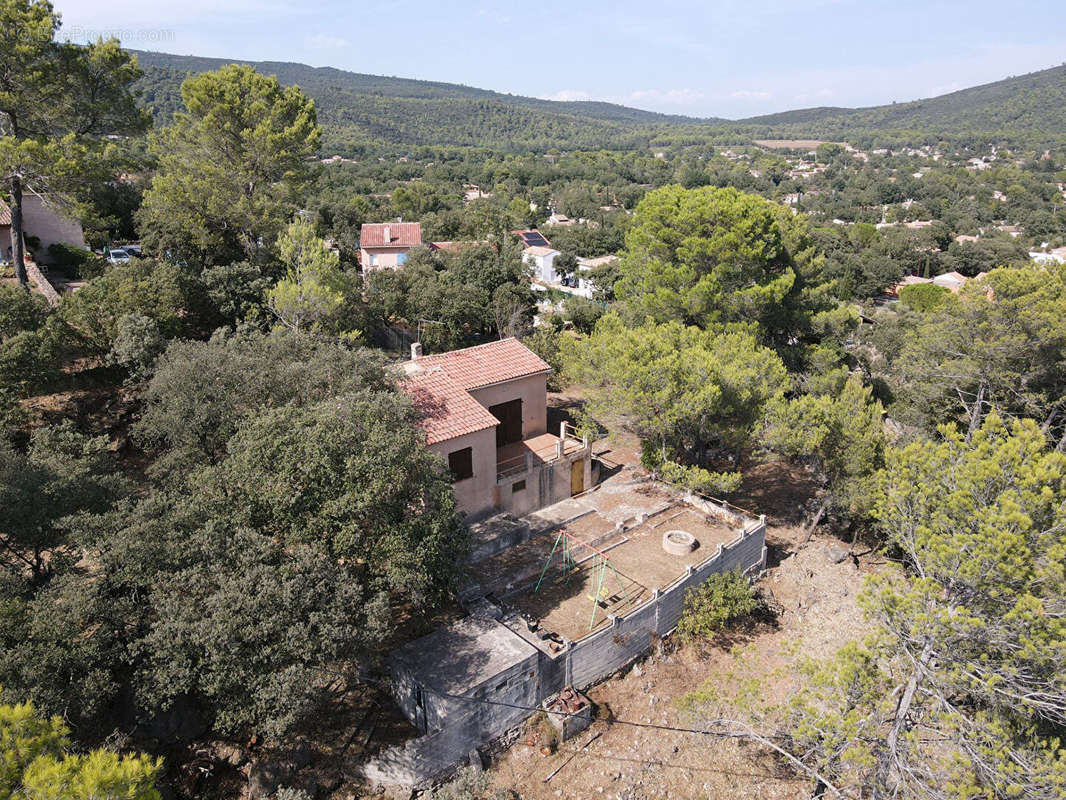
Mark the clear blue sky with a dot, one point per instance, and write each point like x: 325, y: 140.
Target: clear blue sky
x: 730, y: 58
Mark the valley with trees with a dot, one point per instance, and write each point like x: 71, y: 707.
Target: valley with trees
x: 219, y: 513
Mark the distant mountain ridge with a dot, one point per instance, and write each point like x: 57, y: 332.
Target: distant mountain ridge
x: 1036, y: 101
x: 316, y: 79
x: 357, y: 108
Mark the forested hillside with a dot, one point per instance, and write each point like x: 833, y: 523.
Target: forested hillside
x: 354, y: 107
x: 1029, y: 104
x: 362, y: 112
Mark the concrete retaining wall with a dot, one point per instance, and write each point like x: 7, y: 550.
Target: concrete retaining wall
x: 604, y: 652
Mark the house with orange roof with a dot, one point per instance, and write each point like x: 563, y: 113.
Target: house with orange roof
x: 5, y: 231
x: 484, y: 409
x: 952, y: 281
x: 386, y: 245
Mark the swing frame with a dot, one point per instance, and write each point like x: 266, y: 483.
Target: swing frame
x: 570, y: 564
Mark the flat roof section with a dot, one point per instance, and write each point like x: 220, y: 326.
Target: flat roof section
x: 463, y: 655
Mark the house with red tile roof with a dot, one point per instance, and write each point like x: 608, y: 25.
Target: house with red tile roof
x: 5, y: 231
x: 386, y: 244
x: 484, y: 409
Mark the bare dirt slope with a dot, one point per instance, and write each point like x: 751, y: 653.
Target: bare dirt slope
x: 816, y: 613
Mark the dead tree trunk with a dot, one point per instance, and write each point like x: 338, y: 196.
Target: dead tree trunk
x: 816, y: 520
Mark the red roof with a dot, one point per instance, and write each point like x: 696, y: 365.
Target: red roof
x: 487, y: 364
x: 5, y: 215
x: 401, y: 234
x: 449, y: 411
x: 441, y: 385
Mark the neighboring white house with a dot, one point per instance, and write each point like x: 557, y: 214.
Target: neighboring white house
x: 952, y: 281
x: 1056, y: 256
x: 541, y: 259
x: 49, y: 224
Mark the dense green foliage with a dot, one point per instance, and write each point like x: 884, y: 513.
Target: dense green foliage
x: 961, y: 692
x: 455, y: 299
x: 36, y: 763
x: 924, y: 296
x: 257, y: 560
x: 58, y: 104
x: 1002, y: 345
x: 231, y: 168
x: 706, y: 256
x: 680, y: 389
x: 840, y: 437
x: 723, y: 598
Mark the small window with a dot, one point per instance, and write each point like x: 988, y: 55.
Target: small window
x: 518, y: 486
x: 373, y: 259
x: 401, y: 258
x: 461, y: 463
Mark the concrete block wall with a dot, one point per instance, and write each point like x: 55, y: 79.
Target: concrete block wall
x: 583, y: 663
x: 603, y: 653
x: 457, y: 726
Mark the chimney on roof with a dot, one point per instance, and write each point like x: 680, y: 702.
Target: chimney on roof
x: 387, y: 235
x: 416, y: 351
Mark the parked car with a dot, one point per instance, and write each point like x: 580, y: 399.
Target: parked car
x: 133, y: 249
x: 117, y: 255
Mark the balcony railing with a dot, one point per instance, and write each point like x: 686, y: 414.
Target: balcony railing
x: 512, y: 466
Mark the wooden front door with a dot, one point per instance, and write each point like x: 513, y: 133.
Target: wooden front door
x: 509, y: 414
x: 577, y: 477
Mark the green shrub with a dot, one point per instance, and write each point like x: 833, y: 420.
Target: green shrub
x: 20, y: 311
x: 924, y: 296
x: 583, y: 313
x: 137, y: 344
x: 29, y: 361
x: 545, y: 341
x: 77, y: 262
x: 723, y: 598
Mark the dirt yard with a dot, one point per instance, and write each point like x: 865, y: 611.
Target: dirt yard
x: 636, y: 565
x: 817, y: 613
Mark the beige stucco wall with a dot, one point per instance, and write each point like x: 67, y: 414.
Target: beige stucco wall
x: 474, y: 496
x: 533, y: 392
x: 545, y: 484
x: 388, y: 257
x: 49, y: 226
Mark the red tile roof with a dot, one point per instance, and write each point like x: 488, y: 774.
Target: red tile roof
x: 441, y: 385
x: 449, y: 411
x: 401, y: 234
x: 5, y: 215
x: 487, y: 364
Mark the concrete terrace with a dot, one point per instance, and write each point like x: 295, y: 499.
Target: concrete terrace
x: 623, y: 520
x: 514, y: 458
